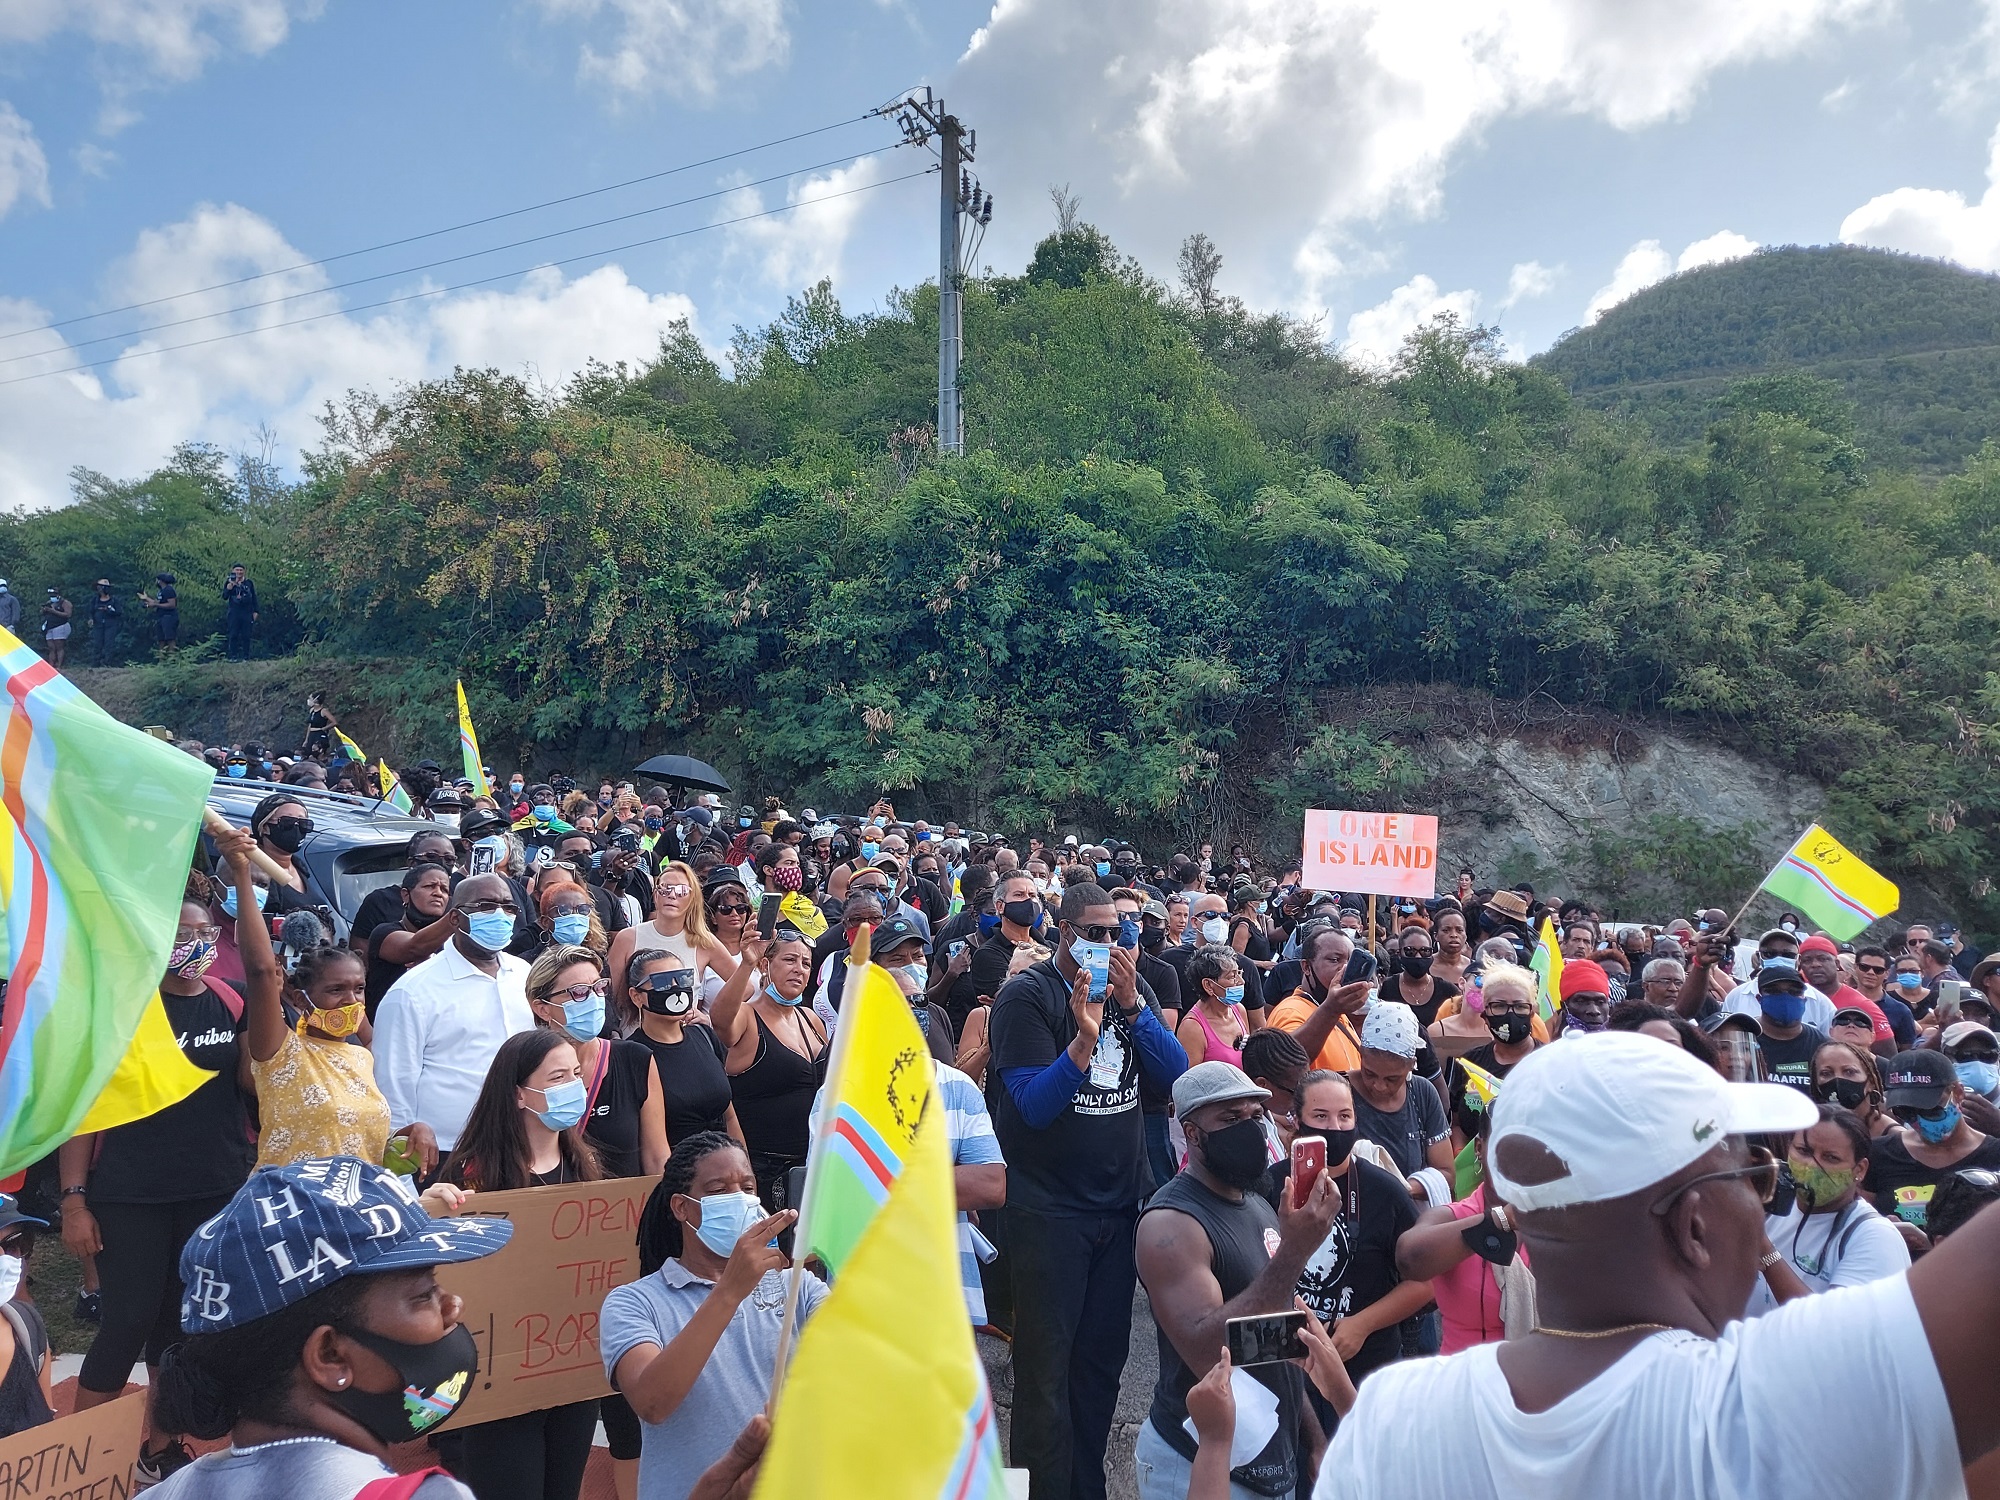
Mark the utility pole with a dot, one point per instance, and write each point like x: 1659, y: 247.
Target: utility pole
x: 963, y: 204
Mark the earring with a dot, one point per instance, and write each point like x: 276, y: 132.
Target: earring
x: 340, y: 1383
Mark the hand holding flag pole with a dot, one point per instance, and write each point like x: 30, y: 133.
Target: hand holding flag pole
x: 214, y: 823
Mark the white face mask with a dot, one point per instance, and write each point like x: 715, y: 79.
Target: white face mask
x: 1215, y: 929
x: 11, y: 1267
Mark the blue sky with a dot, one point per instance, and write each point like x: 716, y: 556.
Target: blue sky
x: 1364, y: 162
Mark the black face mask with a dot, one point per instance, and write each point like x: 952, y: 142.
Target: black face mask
x: 676, y: 1001
x: 1417, y: 965
x: 1489, y: 1243
x: 436, y: 1379
x: 1022, y: 913
x: 1152, y: 939
x: 1237, y: 1153
x: 1509, y: 1026
x: 1339, y: 1143
x: 1846, y: 1092
x: 286, y: 835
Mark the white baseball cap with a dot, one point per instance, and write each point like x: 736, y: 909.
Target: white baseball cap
x: 1392, y: 1027
x: 1623, y: 1111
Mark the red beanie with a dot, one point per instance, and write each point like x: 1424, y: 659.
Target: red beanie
x: 1583, y: 976
x: 1818, y: 944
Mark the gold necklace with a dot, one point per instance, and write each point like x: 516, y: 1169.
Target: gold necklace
x: 1603, y: 1333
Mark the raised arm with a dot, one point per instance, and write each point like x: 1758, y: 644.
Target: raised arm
x: 1317, y: 1027
x: 263, y: 979
x: 729, y: 1012
x: 399, y: 946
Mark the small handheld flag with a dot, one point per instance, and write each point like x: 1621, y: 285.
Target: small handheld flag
x: 1837, y: 892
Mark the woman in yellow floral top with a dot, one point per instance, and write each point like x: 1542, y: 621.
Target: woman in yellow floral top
x: 316, y: 1092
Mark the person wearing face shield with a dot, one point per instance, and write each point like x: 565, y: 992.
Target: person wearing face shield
x: 1210, y: 1247
x: 687, y: 1054
x: 440, y: 1025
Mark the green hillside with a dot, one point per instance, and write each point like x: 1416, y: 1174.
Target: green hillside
x: 1914, y: 344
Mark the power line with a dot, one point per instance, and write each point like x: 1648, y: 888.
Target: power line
x: 533, y: 239
x: 410, y: 239
x: 465, y: 285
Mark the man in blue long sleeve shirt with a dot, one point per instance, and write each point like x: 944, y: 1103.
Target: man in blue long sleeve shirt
x: 1066, y: 1065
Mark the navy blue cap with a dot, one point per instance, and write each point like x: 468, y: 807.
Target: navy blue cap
x: 1775, y: 970
x: 11, y: 1215
x: 295, y: 1230
x: 896, y: 931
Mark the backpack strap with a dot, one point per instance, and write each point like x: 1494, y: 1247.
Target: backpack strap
x: 397, y: 1486
x: 227, y: 993
x: 30, y: 1330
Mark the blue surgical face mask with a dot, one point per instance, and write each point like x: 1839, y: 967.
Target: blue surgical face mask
x: 545, y: 812
x: 724, y: 1219
x: 1103, y: 868
x: 743, y: 822
x: 1908, y: 981
x: 1782, y: 1010
x: 1979, y: 1077
x: 1935, y: 1131
x: 583, y: 1019
x: 771, y: 992
x: 514, y: 787
x: 571, y: 927
x: 918, y: 974
x: 491, y: 930
x: 229, y: 899
x: 1233, y: 995
x: 237, y: 770
x: 1095, y: 960
x: 562, y: 1103
x: 870, y: 849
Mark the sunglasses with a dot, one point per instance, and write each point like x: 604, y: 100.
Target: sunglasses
x: 580, y: 991
x: 1976, y: 1054
x: 494, y: 903
x: 676, y: 889
x: 732, y: 909
x: 1907, y: 1115
x: 1871, y: 968
x: 1099, y: 934
x: 666, y: 979
x: 290, y: 825
x: 1762, y: 1175
x: 856, y: 888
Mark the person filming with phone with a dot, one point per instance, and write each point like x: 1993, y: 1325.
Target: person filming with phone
x: 1205, y: 1252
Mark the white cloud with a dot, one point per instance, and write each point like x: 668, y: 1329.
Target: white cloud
x: 24, y: 168
x: 793, y: 250
x: 1528, y: 280
x: 1294, y: 124
x: 124, y: 418
x: 1648, y: 262
x: 1375, y: 334
x: 1933, y: 221
x: 686, y: 48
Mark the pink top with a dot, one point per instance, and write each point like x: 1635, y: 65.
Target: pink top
x: 1467, y: 1295
x: 1219, y: 1050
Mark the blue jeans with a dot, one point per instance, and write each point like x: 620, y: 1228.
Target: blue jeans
x: 1159, y: 1151
x: 1164, y: 1474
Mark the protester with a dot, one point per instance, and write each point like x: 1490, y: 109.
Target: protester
x: 624, y: 1111
x: 440, y: 1025
x: 25, y: 1397
x: 775, y: 1055
x: 677, y: 926
x: 1508, y: 993
x: 1786, y: 1042
x: 526, y: 1130
x: 133, y: 1195
x: 1321, y: 1011
x: 688, y: 1056
x: 426, y: 924
x: 240, y: 612
x: 569, y: 918
x: 1211, y: 1248
x: 1829, y: 1235
x: 692, y: 1344
x: 1398, y: 1111
x: 315, y: 1378
x: 58, y: 614
x: 281, y: 825
x: 1214, y: 1025
x: 1848, y: 1076
x: 1905, y: 1168
x: 1070, y: 1040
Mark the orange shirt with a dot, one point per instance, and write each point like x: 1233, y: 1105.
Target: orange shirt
x: 1341, y: 1051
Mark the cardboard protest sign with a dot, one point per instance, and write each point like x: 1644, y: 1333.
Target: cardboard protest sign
x: 85, y: 1457
x: 1371, y: 853
x: 532, y: 1306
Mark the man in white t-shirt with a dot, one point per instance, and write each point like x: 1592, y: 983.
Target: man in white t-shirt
x: 1621, y: 1161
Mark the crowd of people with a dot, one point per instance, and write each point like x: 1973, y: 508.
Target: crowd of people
x: 1189, y: 1073
x: 105, y: 613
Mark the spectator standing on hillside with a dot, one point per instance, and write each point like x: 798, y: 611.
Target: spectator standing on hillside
x: 106, y: 622
x: 10, y: 608
x: 57, y: 613
x: 239, y: 598
x: 165, y: 609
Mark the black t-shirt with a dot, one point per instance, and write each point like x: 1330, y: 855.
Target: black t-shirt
x: 1092, y: 1157
x: 1406, y: 1133
x: 692, y: 1080
x: 1355, y: 1267
x: 199, y: 1147
x: 382, y: 973
x: 1427, y: 1012
x: 1482, y: 1056
x: 986, y: 973
x: 1790, y: 1062
x: 1902, y: 1186
x: 381, y: 907
x: 613, y: 1121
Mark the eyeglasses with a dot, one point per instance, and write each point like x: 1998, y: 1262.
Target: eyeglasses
x: 567, y: 910
x: 857, y: 888
x: 196, y: 934
x: 1762, y: 1175
x: 494, y: 903
x: 580, y: 991
x: 1872, y: 968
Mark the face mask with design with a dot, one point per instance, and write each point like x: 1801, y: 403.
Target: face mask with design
x: 1846, y: 1092
x: 1817, y: 1185
x: 340, y: 1021
x: 1936, y: 1131
x: 435, y: 1378
x: 229, y: 898
x: 491, y: 930
x: 725, y: 1218
x: 1509, y: 1026
x: 190, y: 960
x: 677, y: 998
x: 787, y: 878
x: 570, y: 927
x: 562, y: 1103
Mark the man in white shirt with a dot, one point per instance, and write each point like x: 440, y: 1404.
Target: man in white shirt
x: 441, y: 1023
x: 1621, y: 1164
x: 1782, y: 945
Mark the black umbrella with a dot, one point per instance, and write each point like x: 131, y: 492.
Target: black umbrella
x: 684, y: 770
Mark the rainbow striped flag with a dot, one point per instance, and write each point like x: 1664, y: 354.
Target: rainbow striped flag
x: 887, y: 1397
x: 878, y: 1081
x: 392, y: 788
x: 1834, y: 889
x: 468, y: 744
x: 97, y: 831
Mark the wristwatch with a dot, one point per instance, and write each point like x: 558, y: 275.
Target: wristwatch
x: 79, y: 1188
x: 1770, y: 1259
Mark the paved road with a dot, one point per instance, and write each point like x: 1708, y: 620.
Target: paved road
x: 1135, y: 1395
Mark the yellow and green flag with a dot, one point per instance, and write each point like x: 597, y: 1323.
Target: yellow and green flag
x: 351, y: 751
x: 97, y: 830
x: 887, y: 1397
x: 392, y: 788
x: 1837, y: 892
x: 468, y: 744
x: 1548, y: 966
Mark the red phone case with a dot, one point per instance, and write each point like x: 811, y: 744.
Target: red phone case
x: 1308, y: 1161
